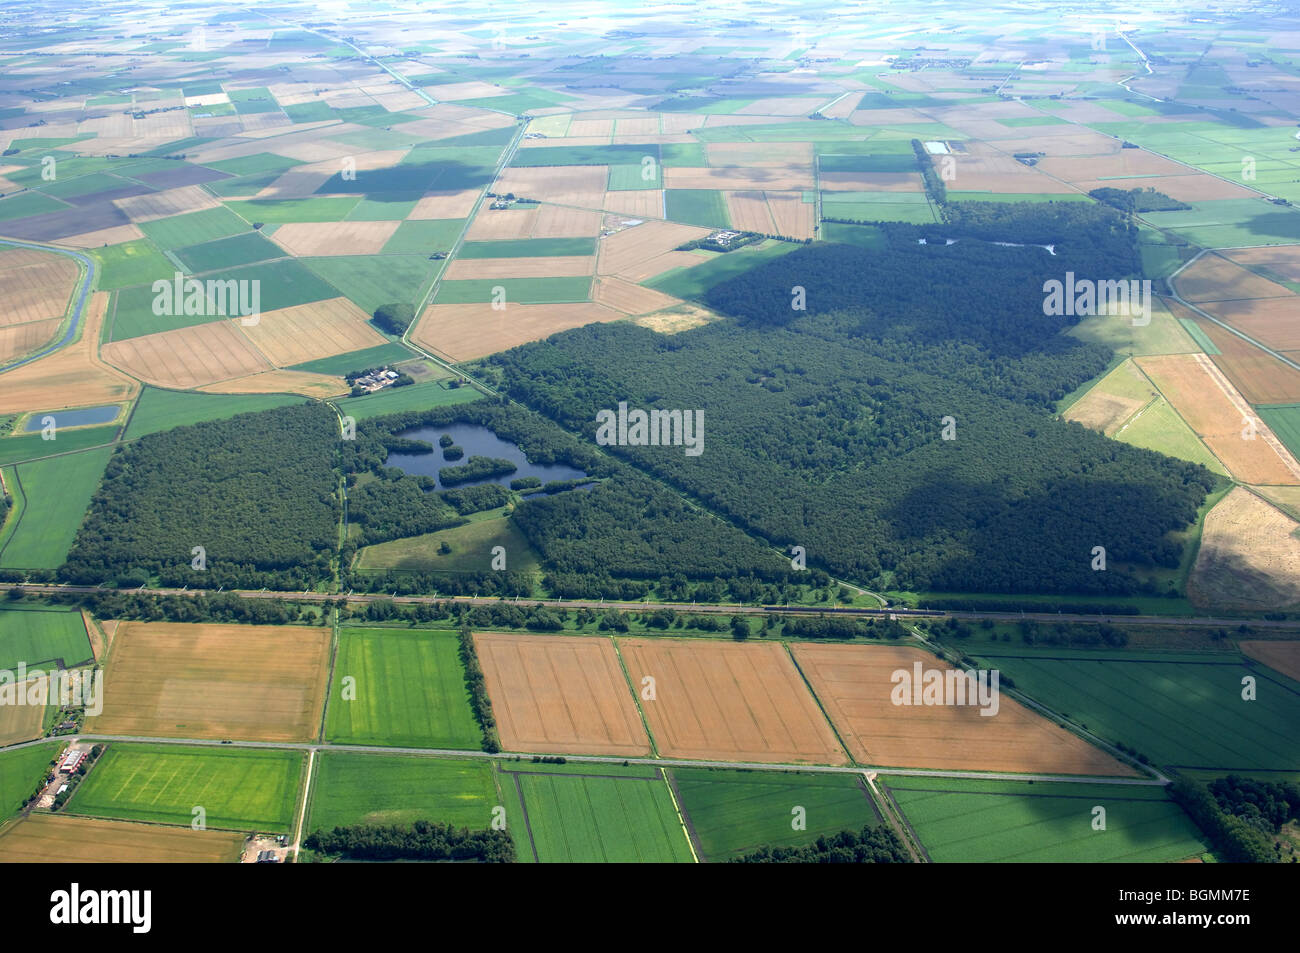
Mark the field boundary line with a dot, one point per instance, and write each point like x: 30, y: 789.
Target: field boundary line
x: 681, y: 814
x: 1069, y: 724
x: 305, y: 795
x: 897, y: 819
x: 636, y: 697
x: 820, y: 707
x: 329, y: 680
x: 528, y: 826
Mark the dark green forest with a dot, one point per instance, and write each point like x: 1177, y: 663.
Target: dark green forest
x: 824, y: 427
x: 258, y: 492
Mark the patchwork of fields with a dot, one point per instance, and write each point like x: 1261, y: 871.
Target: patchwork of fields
x: 505, y: 187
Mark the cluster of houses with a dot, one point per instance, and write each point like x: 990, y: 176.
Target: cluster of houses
x: 376, y: 380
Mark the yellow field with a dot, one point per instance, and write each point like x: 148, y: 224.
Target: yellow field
x: 34, y: 285
x: 310, y: 239
x: 462, y: 332
x: 306, y: 332
x: 72, y: 376
x: 56, y: 839
x: 249, y: 682
x: 1249, y: 557
x: 188, y: 357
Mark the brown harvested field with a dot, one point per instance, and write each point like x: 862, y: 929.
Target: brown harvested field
x: 630, y: 298
x: 638, y: 203
x: 447, y: 203
x: 312, y: 239
x: 790, y: 155
x: 559, y: 266
x: 560, y: 695
x: 18, y: 339
x: 463, y: 332
x: 34, y: 285
x: 297, y: 183
x: 996, y: 173
x: 732, y: 701
x: 748, y: 212
x: 1249, y: 557
x: 1283, y: 657
x: 1219, y: 416
x: 558, y: 221
x: 1271, y: 321
x: 793, y: 216
x: 104, y: 236
x: 582, y: 185
x: 641, y: 126
x: 590, y: 129
x: 248, y: 682
x: 1125, y: 162
x: 147, y: 208
x: 73, y: 376
x: 632, y: 252
x: 1258, y: 376
x: 490, y: 223
x: 1214, y: 278
x: 738, y: 179
x: 306, y: 332
x: 22, y: 722
x: 1282, y: 260
x: 855, y: 684
x: 51, y: 838
x: 1192, y: 187
x: 188, y: 357
x: 281, y: 382
x: 872, y: 181
x: 783, y: 106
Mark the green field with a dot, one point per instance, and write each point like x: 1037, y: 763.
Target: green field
x: 339, y: 364
x: 735, y: 812
x: 1284, y: 420
x: 693, y: 282
x: 238, y: 789
x: 528, y: 248
x: 395, y: 400
x: 37, y: 637
x: 29, y: 446
x: 24, y: 204
x: 1159, y: 427
x: 962, y: 821
x: 243, y: 249
x: 634, y: 177
x: 400, y: 789
x: 408, y: 689
x: 280, y: 211
x: 384, y: 206
x: 471, y: 550
x: 20, y: 772
x: 282, y: 284
x: 917, y: 213
x: 877, y: 162
x: 194, y: 228
x: 159, y: 410
x: 1176, y: 712
x: 696, y: 207
x: 130, y: 263
x: 864, y: 236
x: 56, y: 493
x: 622, y: 154
x: 588, y: 819
x: 370, y: 281
x: 424, y: 237
x: 517, y: 290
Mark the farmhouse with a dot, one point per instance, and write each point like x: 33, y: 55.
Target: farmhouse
x: 72, y: 761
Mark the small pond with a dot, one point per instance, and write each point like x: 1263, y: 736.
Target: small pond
x: 476, y: 441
